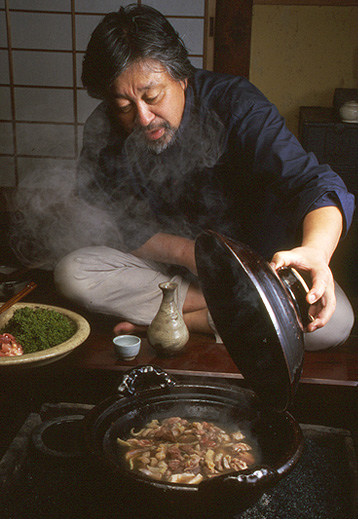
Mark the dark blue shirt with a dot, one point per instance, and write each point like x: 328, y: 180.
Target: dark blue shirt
x: 245, y: 175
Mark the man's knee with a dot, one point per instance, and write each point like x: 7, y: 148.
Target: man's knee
x: 66, y: 277
x: 111, y: 282
x: 338, y: 328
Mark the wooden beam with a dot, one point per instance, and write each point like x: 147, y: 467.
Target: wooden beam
x: 233, y: 37
x: 209, y: 34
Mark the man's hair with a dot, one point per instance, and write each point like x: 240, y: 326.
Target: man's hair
x: 133, y: 33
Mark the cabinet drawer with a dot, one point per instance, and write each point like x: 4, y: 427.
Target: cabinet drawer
x: 334, y: 144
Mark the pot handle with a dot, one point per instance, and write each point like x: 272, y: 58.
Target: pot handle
x: 297, y: 289
x: 146, y: 377
x: 259, y: 479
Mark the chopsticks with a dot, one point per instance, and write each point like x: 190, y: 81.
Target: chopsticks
x: 17, y: 297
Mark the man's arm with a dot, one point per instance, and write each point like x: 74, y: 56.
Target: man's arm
x: 167, y: 248
x: 322, y: 229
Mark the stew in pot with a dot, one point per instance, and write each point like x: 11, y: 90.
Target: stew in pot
x: 179, y: 451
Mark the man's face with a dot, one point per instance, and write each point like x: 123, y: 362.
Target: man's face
x: 147, y: 99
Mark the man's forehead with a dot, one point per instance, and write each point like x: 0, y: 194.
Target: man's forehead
x: 141, y: 76
x: 139, y: 87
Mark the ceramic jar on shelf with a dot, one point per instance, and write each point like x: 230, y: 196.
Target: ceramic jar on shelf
x: 349, y: 112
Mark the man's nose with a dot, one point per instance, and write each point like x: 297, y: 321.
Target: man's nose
x: 144, y: 115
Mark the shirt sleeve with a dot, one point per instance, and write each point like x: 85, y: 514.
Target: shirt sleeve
x: 292, y: 180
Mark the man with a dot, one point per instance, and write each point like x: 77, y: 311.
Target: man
x: 172, y: 151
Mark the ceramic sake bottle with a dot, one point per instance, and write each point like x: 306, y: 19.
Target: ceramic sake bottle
x: 168, y: 333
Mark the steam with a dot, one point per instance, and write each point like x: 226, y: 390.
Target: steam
x: 50, y: 220
x: 120, y: 204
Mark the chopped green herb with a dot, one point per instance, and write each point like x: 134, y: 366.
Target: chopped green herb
x: 39, y: 329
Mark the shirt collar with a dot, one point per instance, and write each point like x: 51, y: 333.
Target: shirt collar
x: 189, y: 104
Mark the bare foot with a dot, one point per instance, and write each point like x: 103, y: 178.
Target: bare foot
x: 127, y: 328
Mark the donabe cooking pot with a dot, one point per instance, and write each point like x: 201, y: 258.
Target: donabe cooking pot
x: 260, y: 317
x: 148, y: 393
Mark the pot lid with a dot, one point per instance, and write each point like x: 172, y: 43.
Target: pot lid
x: 256, y: 314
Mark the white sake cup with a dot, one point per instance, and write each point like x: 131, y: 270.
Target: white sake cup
x: 127, y: 346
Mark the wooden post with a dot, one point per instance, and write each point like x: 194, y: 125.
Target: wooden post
x: 233, y: 36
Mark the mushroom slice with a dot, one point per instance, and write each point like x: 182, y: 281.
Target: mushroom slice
x: 133, y: 453
x: 196, y: 480
x: 237, y: 436
x: 184, y: 477
x: 209, y: 460
x: 218, y: 461
x: 227, y: 461
x: 238, y: 447
x: 123, y: 442
x: 151, y: 474
x: 238, y: 464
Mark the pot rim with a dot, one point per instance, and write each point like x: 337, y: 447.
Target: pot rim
x: 255, y: 476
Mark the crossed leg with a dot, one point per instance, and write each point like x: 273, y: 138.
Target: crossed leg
x: 107, y: 281
x: 194, y: 314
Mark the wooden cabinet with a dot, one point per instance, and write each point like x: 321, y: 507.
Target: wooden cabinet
x: 336, y: 143
x: 332, y: 141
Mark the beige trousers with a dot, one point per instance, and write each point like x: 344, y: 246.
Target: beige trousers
x: 107, y: 281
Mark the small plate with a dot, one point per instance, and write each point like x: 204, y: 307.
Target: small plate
x: 40, y: 358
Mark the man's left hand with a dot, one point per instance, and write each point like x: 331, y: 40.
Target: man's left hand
x: 321, y: 295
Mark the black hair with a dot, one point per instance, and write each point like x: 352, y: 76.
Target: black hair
x: 129, y: 35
